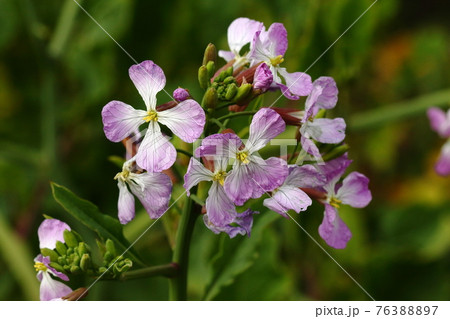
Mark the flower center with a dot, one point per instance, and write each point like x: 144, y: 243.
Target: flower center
x: 277, y: 60
x: 242, y: 156
x: 333, y: 201
x: 151, y: 116
x: 123, y: 176
x: 39, y: 266
x: 220, y: 177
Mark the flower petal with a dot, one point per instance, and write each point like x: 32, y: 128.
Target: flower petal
x: 50, y: 231
x: 220, y: 209
x: 286, y: 198
x: 442, y: 166
x: 230, y: 230
x: 219, y: 146
x: 195, y: 174
x: 226, y: 55
x: 266, y: 125
x: 440, y: 121
x: 335, y: 168
x: 259, y: 50
x: 239, y: 184
x: 149, y: 79
x: 355, y: 190
x: 241, y: 32
x: 331, y: 131
x: 296, y: 84
x: 156, y: 153
x: 263, y: 78
x: 186, y: 120
x: 333, y: 229
x: 52, y: 289
x: 245, y: 220
x: 277, y: 39
x: 305, y: 176
x: 120, y: 120
x: 125, y: 204
x: 153, y: 191
x: 309, y: 147
x: 324, y: 95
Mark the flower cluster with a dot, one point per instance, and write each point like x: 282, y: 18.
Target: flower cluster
x: 440, y: 123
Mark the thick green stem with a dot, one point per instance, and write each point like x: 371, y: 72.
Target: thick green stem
x: 236, y: 114
x: 169, y: 270
x: 178, y: 284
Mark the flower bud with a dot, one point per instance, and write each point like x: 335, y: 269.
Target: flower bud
x: 203, y: 79
x: 61, y: 248
x: 74, y: 269
x: 210, y: 54
x: 49, y: 253
x: 242, y: 93
x: 181, y: 94
x: 210, y: 98
x: 56, y: 266
x: 83, y: 248
x: 211, y: 67
x: 85, y: 262
x: 263, y: 78
x: 231, y: 91
x: 70, y: 239
x: 110, y: 247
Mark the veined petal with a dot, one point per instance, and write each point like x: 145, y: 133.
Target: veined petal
x: 331, y: 131
x: 442, y: 166
x: 230, y: 230
x: 324, y: 95
x: 277, y: 37
x: 120, y: 120
x: 296, y: 84
x: 245, y: 220
x: 186, y: 120
x: 309, y: 147
x: 305, y: 176
x: 50, y: 231
x: 153, y: 191
x: 226, y: 55
x: 333, y: 229
x: 355, y: 190
x: 195, y: 174
x: 286, y: 198
x: 239, y: 184
x: 149, y: 79
x: 220, y: 209
x: 241, y: 32
x: 266, y: 125
x: 267, y: 174
x: 125, y: 205
x: 156, y: 153
x: 52, y: 289
x: 259, y: 51
x: 219, y: 146
x: 335, y: 168
x: 440, y: 121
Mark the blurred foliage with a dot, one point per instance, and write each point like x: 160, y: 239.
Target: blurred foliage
x: 52, y: 89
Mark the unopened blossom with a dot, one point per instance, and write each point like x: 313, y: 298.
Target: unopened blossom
x: 186, y: 119
x: 242, y: 224
x: 353, y: 191
x: 180, y: 94
x: 330, y: 131
x: 240, y: 33
x: 152, y: 189
x: 289, y: 195
x: 263, y: 78
x: 251, y: 175
x: 440, y: 123
x: 49, y: 232
x: 269, y: 47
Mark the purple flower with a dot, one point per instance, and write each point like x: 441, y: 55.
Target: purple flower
x: 251, y: 175
x: 289, y: 195
x: 330, y: 131
x: 243, y: 221
x: 240, y: 33
x: 186, y: 120
x: 181, y: 94
x: 440, y: 123
x: 263, y: 78
x: 269, y: 47
x: 152, y: 189
x: 353, y: 191
x: 50, y: 231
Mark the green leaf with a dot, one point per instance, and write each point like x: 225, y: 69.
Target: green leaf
x: 235, y: 256
x: 88, y: 214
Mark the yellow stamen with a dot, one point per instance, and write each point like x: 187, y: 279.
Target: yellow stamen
x: 151, y: 116
x: 242, y: 156
x: 220, y: 177
x: 335, y: 202
x: 277, y: 60
x: 39, y: 266
x: 123, y: 176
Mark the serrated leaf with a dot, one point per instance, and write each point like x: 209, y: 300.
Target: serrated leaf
x: 89, y: 215
x: 236, y: 256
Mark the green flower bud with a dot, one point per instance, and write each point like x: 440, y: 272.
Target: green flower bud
x: 231, y: 91
x: 242, y: 92
x: 50, y: 253
x: 229, y: 71
x: 123, y: 266
x: 83, y: 248
x: 70, y: 239
x: 62, y: 260
x: 61, y: 248
x: 210, y: 54
x: 107, y: 257
x: 76, y: 260
x: 110, y: 247
x: 57, y: 266
x: 211, y: 67
x: 210, y: 98
x: 102, y: 270
x: 229, y: 79
x: 203, y: 78
x: 70, y: 251
x: 85, y: 262
x: 75, y: 269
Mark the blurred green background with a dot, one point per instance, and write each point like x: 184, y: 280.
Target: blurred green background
x: 58, y: 69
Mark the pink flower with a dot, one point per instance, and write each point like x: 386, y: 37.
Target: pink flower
x: 440, y: 123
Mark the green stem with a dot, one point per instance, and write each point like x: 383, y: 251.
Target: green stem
x: 179, y: 150
x: 178, y: 284
x: 219, y: 124
x: 397, y: 111
x: 293, y: 153
x: 169, y: 270
x: 236, y: 114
